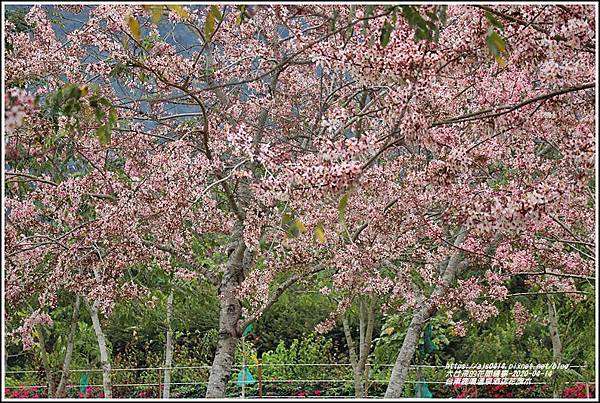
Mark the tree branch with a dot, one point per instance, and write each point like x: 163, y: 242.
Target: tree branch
x: 204, y: 272
x: 555, y: 274
x: 517, y: 294
x: 31, y: 178
x: 502, y: 110
x: 528, y: 24
x: 242, y: 324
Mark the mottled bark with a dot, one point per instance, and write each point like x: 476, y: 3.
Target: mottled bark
x: 61, y: 390
x: 423, y: 311
x: 45, y: 362
x: 104, y: 357
x: 230, y: 309
x: 168, y: 349
x: 239, y: 261
x: 407, y: 351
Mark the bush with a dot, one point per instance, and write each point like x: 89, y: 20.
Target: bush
x: 578, y: 391
x: 25, y: 393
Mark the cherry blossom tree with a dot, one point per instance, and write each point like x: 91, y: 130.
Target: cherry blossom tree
x: 486, y: 168
x: 424, y: 153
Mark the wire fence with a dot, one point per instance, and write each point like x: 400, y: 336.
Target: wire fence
x: 267, y: 384
x: 176, y: 367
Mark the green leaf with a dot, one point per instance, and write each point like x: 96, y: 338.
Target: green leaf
x: 410, y: 15
x: 99, y: 113
x: 496, y: 46
x: 498, y: 41
x: 209, y: 26
x: 490, y: 44
x: 342, y: 209
x: 490, y: 17
x: 294, y: 228
x: 214, y: 10
x: 287, y: 219
x: 500, y: 60
x: 428, y: 26
x: 320, y: 233
x: 240, y: 18
x: 179, y: 10
x: 300, y: 225
x: 386, y: 32
x: 156, y: 13
x: 342, y: 204
x: 103, y: 134
x: 112, y: 117
x: 71, y: 91
x: 134, y: 27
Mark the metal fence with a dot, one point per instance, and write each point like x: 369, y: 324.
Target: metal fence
x: 259, y: 387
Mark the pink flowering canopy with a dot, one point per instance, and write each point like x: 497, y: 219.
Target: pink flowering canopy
x: 334, y: 137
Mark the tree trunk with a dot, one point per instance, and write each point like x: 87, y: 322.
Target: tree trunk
x: 104, y: 359
x: 230, y: 309
x: 365, y: 330
x: 421, y: 315
x: 168, y: 348
x: 407, y: 352
x: 554, y: 336
x: 61, y: 390
x: 45, y: 362
x: 358, y: 379
x: 359, y: 383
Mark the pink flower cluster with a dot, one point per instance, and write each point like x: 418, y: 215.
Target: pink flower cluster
x: 521, y: 317
x: 17, y: 104
x: 37, y: 318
